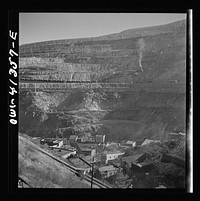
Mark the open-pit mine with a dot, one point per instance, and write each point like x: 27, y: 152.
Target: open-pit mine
x: 125, y: 85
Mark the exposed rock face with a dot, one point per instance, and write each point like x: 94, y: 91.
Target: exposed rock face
x: 151, y: 60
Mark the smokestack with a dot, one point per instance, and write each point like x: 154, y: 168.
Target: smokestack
x: 141, y: 44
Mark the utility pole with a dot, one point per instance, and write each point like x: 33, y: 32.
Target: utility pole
x: 92, y: 163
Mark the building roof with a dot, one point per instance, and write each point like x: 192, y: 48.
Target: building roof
x: 69, y: 147
x: 112, y: 144
x: 48, y: 140
x: 89, y: 159
x: 57, y: 141
x: 86, y: 147
x: 129, y: 142
x: 73, y: 137
x: 61, y: 153
x: 142, y: 164
x: 161, y: 186
x: 121, y: 176
x: 140, y: 141
x: 99, y: 148
x: 98, y: 157
x: 79, y: 163
x: 117, y: 152
x: 116, y: 162
x: 84, y: 137
x: 100, y: 136
x: 67, y: 152
x: 147, y: 141
x: 107, y: 168
x: 131, y: 159
x: 123, y: 147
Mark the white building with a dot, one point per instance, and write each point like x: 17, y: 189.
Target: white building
x: 111, y: 155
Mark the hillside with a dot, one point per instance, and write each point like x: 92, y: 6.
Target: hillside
x: 152, y: 60
x: 41, y: 171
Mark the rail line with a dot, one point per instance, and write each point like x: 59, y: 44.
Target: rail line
x: 77, y: 171
x: 21, y: 182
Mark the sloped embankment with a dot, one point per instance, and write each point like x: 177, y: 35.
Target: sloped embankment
x: 41, y: 171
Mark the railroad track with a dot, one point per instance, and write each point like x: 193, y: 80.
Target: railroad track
x: 77, y: 171
x: 21, y: 183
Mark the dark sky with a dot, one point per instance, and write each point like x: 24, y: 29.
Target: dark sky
x: 36, y: 27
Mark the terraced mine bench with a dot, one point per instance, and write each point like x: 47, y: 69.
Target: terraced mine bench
x: 145, y: 87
